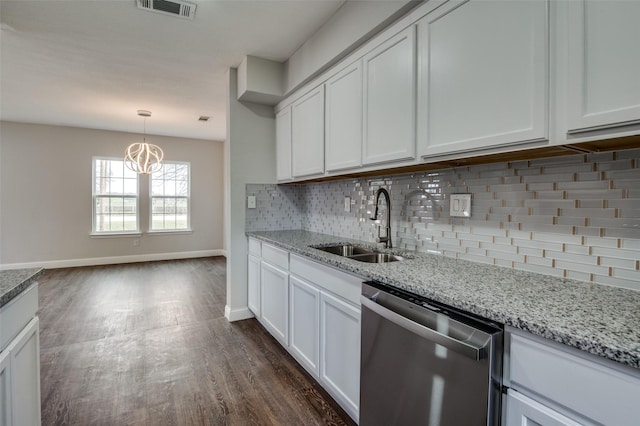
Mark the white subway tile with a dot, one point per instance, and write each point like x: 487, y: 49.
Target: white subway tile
x: 539, y: 269
x: 630, y: 244
x: 572, y: 257
x: 582, y: 267
x: 523, y: 235
x: 614, y: 252
x: 577, y: 249
x: 626, y: 274
x: 528, y: 251
x: 620, y: 263
x: 505, y: 263
x: 617, y: 282
x: 538, y: 244
x: 475, y: 258
x: 533, y: 260
x: 577, y: 275
x: 557, y: 238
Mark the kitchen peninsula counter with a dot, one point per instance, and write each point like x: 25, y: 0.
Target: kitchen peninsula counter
x: 15, y: 281
x: 598, y: 319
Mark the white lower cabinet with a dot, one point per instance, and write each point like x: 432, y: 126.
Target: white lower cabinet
x: 304, y: 336
x: 253, y: 283
x: 5, y: 388
x: 20, y: 360
x: 314, y: 312
x: 274, y: 296
x: 325, y: 328
x: 340, y: 351
x: 24, y: 365
x: 552, y: 384
x: 525, y: 411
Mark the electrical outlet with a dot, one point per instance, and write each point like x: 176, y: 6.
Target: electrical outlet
x: 251, y: 202
x: 136, y: 242
x: 460, y: 205
x: 347, y: 204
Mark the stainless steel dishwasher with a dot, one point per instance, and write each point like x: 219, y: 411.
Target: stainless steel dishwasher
x: 424, y: 363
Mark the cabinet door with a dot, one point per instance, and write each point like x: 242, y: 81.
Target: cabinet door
x: 389, y: 100
x: 603, y: 64
x: 305, y: 324
x: 5, y: 388
x: 340, y: 352
x: 307, y: 130
x: 283, y: 144
x: 274, y: 295
x: 527, y: 412
x: 343, y: 123
x: 483, y: 75
x: 253, y: 281
x: 25, y: 376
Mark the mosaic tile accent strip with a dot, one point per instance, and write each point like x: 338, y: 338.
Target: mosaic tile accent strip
x: 277, y: 208
x: 575, y: 216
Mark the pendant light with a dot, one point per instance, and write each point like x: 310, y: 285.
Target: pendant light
x: 143, y: 157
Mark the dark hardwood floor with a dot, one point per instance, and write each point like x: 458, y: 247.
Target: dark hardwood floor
x: 148, y: 344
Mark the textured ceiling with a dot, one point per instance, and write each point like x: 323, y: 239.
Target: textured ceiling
x: 93, y: 64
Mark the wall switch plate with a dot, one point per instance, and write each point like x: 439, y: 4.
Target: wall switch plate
x: 460, y: 205
x: 251, y: 201
x: 347, y: 204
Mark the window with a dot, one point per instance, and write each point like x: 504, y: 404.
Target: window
x: 115, y: 197
x: 170, y: 198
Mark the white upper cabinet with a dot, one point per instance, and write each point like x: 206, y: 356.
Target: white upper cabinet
x: 483, y: 71
x: 603, y: 64
x: 389, y: 99
x: 343, y: 119
x: 283, y: 144
x: 307, y: 132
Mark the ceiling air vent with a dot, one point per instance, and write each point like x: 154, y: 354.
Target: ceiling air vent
x: 180, y: 9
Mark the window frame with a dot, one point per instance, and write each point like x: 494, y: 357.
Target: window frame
x: 94, y: 195
x: 176, y: 197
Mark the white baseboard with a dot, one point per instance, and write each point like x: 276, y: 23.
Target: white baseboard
x: 237, y: 314
x: 92, y: 261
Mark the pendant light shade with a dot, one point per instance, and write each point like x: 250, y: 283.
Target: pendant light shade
x: 143, y: 157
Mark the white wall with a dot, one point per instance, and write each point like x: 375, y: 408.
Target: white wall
x: 46, y: 204
x: 250, y: 153
x: 353, y: 24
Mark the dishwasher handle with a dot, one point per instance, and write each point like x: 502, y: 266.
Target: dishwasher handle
x: 468, y: 349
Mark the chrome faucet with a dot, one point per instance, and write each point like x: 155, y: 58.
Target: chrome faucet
x: 387, y: 238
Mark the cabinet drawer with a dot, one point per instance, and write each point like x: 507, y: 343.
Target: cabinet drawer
x: 344, y: 285
x: 579, y: 382
x: 275, y: 256
x: 254, y: 247
x: 15, y: 315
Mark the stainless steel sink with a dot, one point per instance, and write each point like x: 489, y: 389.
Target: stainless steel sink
x: 345, y: 250
x: 360, y: 254
x: 377, y: 258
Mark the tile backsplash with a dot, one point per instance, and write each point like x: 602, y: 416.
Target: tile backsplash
x: 574, y: 216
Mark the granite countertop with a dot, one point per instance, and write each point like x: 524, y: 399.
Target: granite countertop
x: 15, y: 281
x: 601, y: 320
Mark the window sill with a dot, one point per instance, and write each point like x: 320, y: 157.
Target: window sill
x: 171, y: 232
x: 115, y: 234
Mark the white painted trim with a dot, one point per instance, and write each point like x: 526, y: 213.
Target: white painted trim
x: 237, y: 314
x: 91, y: 261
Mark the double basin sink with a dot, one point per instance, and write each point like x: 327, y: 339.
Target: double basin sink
x: 361, y: 254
